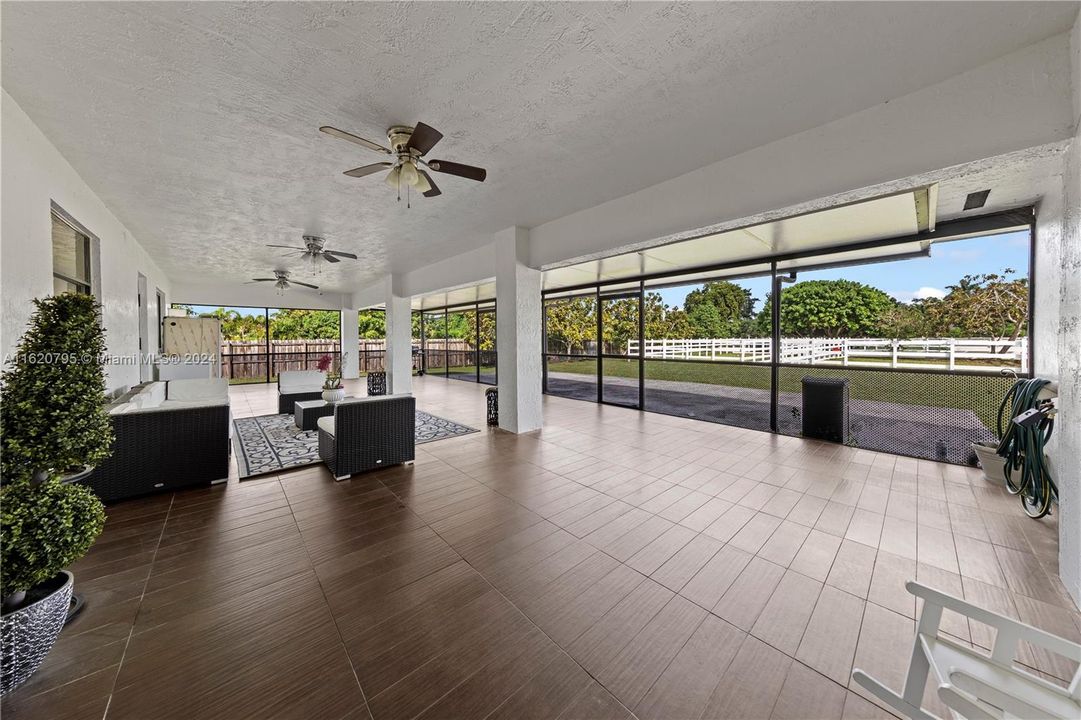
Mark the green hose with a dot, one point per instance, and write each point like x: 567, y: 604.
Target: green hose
x: 1023, y: 448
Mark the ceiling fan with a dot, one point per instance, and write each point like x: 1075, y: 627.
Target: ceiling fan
x: 282, y: 282
x: 314, y: 253
x: 408, y: 145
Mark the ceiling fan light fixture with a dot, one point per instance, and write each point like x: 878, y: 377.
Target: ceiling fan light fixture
x: 409, y: 173
x: 393, y: 176
x: 422, y: 185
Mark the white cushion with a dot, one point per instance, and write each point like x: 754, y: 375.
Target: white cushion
x: 291, y: 382
x: 200, y: 391
x: 181, y: 404
x: 145, y: 401
x: 156, y: 392
x: 326, y: 424
x: 121, y: 408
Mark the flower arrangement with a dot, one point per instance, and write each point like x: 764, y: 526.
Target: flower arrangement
x: 332, y: 366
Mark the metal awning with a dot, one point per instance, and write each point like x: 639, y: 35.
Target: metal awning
x: 898, y: 215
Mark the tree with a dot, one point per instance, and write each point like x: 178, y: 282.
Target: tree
x: 989, y: 305
x: 719, y: 309
x: 487, y: 329
x: 372, y: 324
x: 664, y: 322
x: 904, y: 321
x: 571, y: 325
x: 829, y: 308
x: 235, y: 326
x: 290, y: 324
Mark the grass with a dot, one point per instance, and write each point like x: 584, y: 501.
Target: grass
x: 462, y: 370
x: 979, y: 393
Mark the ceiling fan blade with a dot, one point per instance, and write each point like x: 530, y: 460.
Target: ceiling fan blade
x: 367, y: 169
x: 297, y: 282
x: 287, y: 247
x: 330, y: 258
x: 263, y: 280
x: 453, y: 168
x: 351, y: 256
x: 342, y: 134
x: 424, y: 138
x: 434, y: 190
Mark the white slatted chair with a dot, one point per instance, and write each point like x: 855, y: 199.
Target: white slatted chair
x: 973, y: 685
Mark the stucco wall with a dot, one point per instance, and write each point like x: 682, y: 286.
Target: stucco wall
x: 34, y: 175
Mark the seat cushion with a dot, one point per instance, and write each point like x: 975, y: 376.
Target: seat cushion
x: 200, y: 391
x: 291, y: 382
x: 326, y: 424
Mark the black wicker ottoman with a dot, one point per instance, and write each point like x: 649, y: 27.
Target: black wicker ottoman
x: 308, y: 412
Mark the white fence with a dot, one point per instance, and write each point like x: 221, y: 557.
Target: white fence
x: 941, y: 353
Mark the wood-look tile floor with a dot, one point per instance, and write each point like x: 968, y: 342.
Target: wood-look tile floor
x: 615, y: 564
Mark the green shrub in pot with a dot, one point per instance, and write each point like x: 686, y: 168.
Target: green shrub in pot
x: 46, y: 527
x: 52, y: 414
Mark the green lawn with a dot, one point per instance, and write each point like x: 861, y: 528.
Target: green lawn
x: 463, y: 370
x: 978, y: 393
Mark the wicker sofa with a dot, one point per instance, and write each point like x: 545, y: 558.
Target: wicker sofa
x: 166, y: 436
x: 368, y: 433
x: 296, y: 385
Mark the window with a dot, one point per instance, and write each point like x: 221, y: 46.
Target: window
x: 71, y: 258
x: 921, y: 335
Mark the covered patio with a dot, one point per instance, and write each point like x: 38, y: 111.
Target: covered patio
x: 613, y: 563
x: 646, y: 405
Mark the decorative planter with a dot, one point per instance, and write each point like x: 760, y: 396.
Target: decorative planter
x: 27, y: 634
x: 994, y: 467
x: 333, y: 396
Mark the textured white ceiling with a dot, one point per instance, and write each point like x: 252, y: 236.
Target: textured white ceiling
x: 197, y: 122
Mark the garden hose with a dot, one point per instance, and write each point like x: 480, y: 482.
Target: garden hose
x: 1022, y: 446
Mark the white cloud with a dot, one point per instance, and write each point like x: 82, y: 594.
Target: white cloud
x: 907, y: 296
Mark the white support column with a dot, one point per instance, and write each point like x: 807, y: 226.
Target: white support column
x: 399, y: 360
x: 350, y: 344
x: 518, y: 332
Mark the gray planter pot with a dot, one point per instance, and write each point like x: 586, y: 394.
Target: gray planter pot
x: 994, y: 467
x: 27, y: 634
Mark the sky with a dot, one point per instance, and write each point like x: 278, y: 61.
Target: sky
x: 906, y: 280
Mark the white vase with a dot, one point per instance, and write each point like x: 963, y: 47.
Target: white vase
x: 333, y: 396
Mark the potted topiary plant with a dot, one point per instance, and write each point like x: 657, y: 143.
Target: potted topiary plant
x: 52, y: 424
x: 52, y: 399
x: 46, y: 527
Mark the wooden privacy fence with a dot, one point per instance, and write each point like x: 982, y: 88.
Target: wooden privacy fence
x: 943, y: 353
x: 249, y: 359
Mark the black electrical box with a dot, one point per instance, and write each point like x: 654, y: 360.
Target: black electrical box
x: 825, y: 409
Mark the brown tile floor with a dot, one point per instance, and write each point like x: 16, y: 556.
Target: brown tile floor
x: 615, y: 564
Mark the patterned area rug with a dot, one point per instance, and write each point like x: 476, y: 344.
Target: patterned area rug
x: 269, y: 443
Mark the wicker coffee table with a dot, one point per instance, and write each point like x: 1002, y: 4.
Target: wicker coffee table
x: 307, y: 412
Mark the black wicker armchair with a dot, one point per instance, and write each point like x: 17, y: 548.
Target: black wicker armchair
x: 368, y: 433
